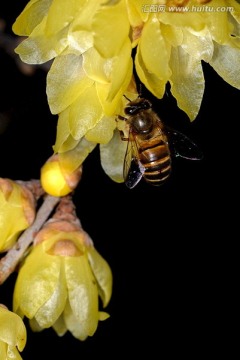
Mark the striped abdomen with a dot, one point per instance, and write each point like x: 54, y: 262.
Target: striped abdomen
x: 154, y: 155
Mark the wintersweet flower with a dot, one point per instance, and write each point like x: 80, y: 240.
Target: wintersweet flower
x: 16, y: 202
x: 91, y: 45
x: 59, y: 283
x: 12, y: 335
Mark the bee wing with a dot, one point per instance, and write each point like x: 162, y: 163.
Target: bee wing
x: 132, y: 168
x: 183, y: 146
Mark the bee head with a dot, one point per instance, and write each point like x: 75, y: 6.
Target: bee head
x: 134, y: 107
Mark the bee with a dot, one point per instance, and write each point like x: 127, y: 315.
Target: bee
x: 151, y: 145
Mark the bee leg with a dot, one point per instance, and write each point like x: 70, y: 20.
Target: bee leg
x: 122, y: 136
x: 121, y: 118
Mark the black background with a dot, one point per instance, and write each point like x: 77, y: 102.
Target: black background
x: 168, y: 247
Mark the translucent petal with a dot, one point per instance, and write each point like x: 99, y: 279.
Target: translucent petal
x: 13, y: 354
x: 36, y: 281
x: 83, y: 293
x: 191, y: 20
x: 79, y: 42
x: 112, y: 157
x: 75, y: 157
x: 187, y: 81
x: 59, y: 326
x: 121, y: 68
x: 200, y: 47
x: 106, y: 41
x: 66, y: 80
x: 3, y: 350
x: 62, y: 13
x: 37, y: 50
x: 236, y: 9
x: 172, y: 34
x: 12, y: 329
x: 103, y: 315
x: 155, y: 54
x: 96, y: 67
x: 103, y: 131
x: 10, y: 210
x: 218, y: 24
x: 136, y: 12
x: 31, y: 16
x: 102, y: 273
x: 84, y: 113
x: 77, y: 328
x: 104, y: 91
x: 63, y: 131
x: 152, y: 82
x: 225, y: 62
x: 49, y: 312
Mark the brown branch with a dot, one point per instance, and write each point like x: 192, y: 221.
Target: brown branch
x: 9, y: 262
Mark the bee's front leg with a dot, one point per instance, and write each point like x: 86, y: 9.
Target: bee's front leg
x: 121, y: 131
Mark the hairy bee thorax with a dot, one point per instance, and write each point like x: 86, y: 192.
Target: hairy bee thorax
x: 142, y: 123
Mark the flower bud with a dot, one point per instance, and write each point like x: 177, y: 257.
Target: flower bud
x: 56, y: 179
x: 16, y: 203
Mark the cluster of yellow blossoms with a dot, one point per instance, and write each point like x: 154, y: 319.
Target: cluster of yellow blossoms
x: 91, y: 44
x: 61, y: 276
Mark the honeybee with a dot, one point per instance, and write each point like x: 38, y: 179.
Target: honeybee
x: 151, y: 145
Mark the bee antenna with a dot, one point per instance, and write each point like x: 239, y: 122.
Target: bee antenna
x: 127, y: 98
x: 140, y: 91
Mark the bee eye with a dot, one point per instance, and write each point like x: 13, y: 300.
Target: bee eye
x: 131, y: 110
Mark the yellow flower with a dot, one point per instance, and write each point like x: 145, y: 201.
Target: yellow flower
x: 16, y: 202
x: 60, y: 281
x: 12, y: 335
x: 91, y: 43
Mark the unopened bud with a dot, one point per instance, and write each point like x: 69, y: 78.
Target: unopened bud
x: 56, y: 180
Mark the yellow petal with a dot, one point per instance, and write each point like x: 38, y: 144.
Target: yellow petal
x: 84, y: 113
x: 63, y: 133
x: 225, y: 62
x: 61, y: 14
x: 152, y: 82
x: 37, y: 50
x: 83, y: 293
x: 36, y: 281
x: 191, y: 20
x: 187, y: 81
x: 172, y: 34
x: 217, y: 22
x: 111, y: 28
x: 102, y: 273
x: 121, y: 71
x: 103, y: 131
x: 103, y: 315
x: 59, y: 326
x: 136, y: 12
x: 12, y: 329
x: 10, y: 210
x: 155, y: 54
x: 97, y: 67
x: 199, y: 46
x: 66, y: 80
x: 50, y: 311
x: 112, y: 157
x: 75, y: 157
x: 31, y: 16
